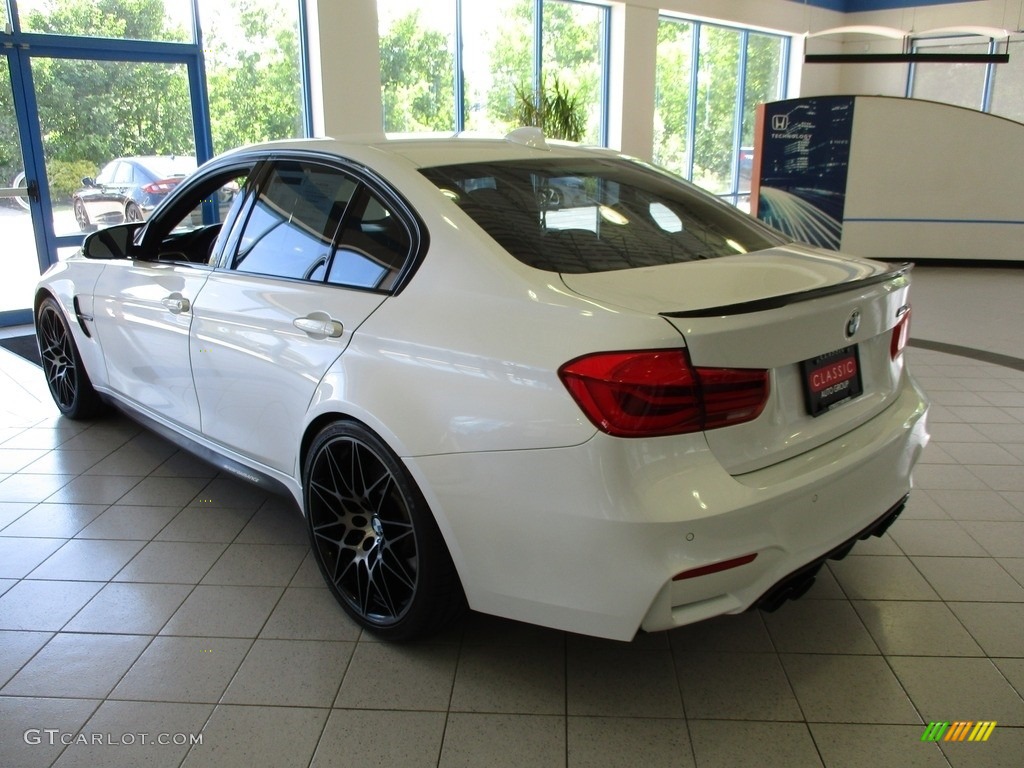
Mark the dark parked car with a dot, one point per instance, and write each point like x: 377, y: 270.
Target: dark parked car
x: 128, y: 189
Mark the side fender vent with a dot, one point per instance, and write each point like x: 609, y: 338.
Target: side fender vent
x: 81, y: 318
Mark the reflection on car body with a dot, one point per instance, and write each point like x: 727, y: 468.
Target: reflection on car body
x: 601, y: 417
x: 128, y: 189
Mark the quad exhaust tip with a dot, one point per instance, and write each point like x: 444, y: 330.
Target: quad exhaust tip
x: 796, y: 584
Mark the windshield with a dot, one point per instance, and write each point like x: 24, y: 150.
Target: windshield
x: 597, y: 215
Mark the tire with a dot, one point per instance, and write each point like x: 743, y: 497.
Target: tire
x: 66, y: 377
x: 82, y: 216
x: 132, y: 212
x: 374, y: 538
x: 20, y: 181
x: 549, y: 198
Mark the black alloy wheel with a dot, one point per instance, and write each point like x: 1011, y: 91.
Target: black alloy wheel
x: 373, y: 537
x: 62, y: 366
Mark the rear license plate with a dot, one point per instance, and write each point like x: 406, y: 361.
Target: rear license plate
x: 831, y: 379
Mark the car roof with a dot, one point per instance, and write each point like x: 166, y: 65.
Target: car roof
x: 429, y: 150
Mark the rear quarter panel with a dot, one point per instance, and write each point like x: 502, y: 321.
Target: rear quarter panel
x: 466, y: 357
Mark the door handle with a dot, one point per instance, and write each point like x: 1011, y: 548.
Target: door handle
x: 319, y: 325
x: 176, y: 303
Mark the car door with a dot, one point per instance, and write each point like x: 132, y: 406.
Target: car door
x: 97, y: 196
x: 143, y: 306
x: 307, y: 267
x: 117, y: 193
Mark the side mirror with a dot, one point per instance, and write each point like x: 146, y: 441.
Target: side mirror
x: 88, y: 181
x: 115, y: 242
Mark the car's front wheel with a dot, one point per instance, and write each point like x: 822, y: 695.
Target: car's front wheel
x: 374, y: 538
x: 62, y: 365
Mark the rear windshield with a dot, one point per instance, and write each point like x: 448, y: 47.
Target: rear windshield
x: 597, y: 215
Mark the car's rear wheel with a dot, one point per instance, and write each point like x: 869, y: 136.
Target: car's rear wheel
x: 132, y: 212
x: 374, y: 538
x: 62, y: 365
x: 82, y: 216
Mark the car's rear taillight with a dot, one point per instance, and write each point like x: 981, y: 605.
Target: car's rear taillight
x: 900, y: 334
x: 161, y: 187
x: 658, y: 392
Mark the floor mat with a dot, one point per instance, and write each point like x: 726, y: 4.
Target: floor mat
x: 23, y: 346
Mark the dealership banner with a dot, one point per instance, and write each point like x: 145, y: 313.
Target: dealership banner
x: 803, y: 159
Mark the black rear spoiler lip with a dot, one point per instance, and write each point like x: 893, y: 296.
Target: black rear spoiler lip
x: 775, y: 302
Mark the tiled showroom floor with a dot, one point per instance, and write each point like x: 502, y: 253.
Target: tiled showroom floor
x: 145, y: 598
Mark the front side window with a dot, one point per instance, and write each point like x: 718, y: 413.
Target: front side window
x: 580, y: 216
x: 189, y: 228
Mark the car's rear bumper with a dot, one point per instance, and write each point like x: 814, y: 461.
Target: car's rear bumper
x: 589, y: 538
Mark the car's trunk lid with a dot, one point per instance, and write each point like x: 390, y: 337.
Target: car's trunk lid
x: 782, y: 310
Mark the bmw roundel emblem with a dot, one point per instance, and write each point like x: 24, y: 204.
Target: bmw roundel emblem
x: 853, y: 324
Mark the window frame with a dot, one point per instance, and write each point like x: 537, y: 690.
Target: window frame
x: 366, y: 181
x: 994, y: 46
x: 734, y: 193
x: 537, y: 58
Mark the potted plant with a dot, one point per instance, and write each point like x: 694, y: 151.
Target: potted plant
x: 554, y: 109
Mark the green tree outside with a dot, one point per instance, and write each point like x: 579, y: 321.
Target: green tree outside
x: 417, y: 77
x: 91, y: 112
x: 716, y: 98
x: 672, y: 94
x: 253, y: 77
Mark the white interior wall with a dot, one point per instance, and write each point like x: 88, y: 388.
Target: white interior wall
x: 891, y: 79
x: 345, y: 59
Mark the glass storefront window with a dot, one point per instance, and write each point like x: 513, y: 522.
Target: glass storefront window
x: 764, y: 82
x: 419, y: 80
x: 1008, y: 84
x: 497, y: 58
x: 715, y: 118
x: 574, y: 54
x: 18, y: 261
x: 417, y: 67
x: 133, y: 144
x: 672, y: 94
x: 960, y: 84
x: 153, y: 20
x: 698, y: 103
x: 253, y: 70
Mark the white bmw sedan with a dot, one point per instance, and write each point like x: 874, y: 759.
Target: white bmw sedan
x: 632, y: 407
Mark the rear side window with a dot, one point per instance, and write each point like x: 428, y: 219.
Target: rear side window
x: 597, y: 215
x: 373, y: 245
x: 319, y: 223
x: 291, y: 228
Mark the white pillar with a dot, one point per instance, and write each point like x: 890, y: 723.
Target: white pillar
x: 344, y: 64
x: 631, y: 97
